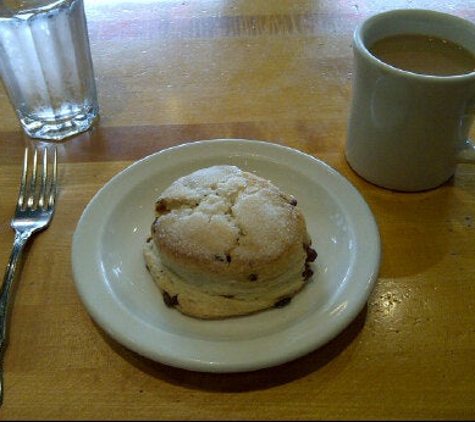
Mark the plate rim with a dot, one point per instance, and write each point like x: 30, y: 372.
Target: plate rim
x: 342, y: 320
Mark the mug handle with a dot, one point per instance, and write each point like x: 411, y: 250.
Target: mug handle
x: 466, y: 153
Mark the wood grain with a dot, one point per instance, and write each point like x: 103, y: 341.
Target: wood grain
x: 170, y: 72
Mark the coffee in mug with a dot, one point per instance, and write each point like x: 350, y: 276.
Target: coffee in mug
x: 424, y: 54
x: 410, y: 119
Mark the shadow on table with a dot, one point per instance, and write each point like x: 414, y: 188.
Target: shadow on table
x: 245, y: 381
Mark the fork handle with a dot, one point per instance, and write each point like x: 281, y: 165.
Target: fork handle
x: 5, y: 294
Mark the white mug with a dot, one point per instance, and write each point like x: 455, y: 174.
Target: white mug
x: 407, y: 131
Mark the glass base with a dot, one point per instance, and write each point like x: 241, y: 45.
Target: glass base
x: 59, y: 129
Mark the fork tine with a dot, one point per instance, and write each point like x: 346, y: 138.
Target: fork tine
x: 33, y: 179
x: 44, y: 173
x: 44, y: 178
x: 54, y: 183
x: 22, y: 192
x: 54, y: 175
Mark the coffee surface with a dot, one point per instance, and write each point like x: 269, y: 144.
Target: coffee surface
x: 424, y: 54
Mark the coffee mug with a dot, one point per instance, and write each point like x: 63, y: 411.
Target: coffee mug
x: 410, y: 117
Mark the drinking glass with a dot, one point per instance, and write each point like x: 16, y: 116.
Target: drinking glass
x: 46, y: 66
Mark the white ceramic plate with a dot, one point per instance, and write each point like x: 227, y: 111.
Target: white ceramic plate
x: 120, y: 295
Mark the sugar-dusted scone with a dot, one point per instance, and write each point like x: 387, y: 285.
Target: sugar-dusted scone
x: 226, y: 242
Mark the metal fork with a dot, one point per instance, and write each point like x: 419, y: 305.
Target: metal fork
x: 33, y: 213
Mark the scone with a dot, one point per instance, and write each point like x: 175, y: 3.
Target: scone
x: 226, y: 242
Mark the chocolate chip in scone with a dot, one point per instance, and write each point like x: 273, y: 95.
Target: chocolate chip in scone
x: 152, y: 229
x: 282, y: 302
x: 293, y: 202
x: 223, y: 258
x: 170, y: 301
x: 253, y: 277
x: 307, y: 273
x: 311, y: 253
x: 161, y: 207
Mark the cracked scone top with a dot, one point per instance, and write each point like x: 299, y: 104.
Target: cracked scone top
x: 226, y: 242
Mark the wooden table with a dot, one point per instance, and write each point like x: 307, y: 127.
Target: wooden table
x: 171, y: 72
